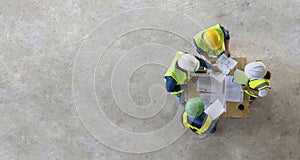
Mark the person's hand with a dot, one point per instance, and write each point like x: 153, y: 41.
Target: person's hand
x: 213, y: 60
x: 245, y: 87
x: 215, y: 69
x: 227, y: 52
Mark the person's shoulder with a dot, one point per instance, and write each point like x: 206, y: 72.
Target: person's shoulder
x: 199, y: 120
x: 221, y: 26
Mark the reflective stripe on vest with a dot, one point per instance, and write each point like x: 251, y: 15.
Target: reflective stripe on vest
x: 258, y: 85
x: 179, y: 76
x: 201, y: 130
x: 201, y: 43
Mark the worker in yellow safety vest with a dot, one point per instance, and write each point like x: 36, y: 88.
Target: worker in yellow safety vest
x: 213, y: 41
x: 259, y: 80
x: 196, y: 119
x: 178, y: 73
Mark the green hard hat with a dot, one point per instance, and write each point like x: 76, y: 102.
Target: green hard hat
x: 194, y: 107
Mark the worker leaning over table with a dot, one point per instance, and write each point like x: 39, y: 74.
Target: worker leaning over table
x: 196, y: 119
x: 259, y: 80
x: 178, y: 74
x: 213, y: 41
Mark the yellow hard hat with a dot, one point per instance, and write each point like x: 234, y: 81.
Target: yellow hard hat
x: 212, y: 39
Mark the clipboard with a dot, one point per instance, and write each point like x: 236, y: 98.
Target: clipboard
x: 240, y: 77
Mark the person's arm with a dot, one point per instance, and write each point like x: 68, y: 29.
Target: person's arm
x: 227, y: 52
x: 263, y: 92
x: 203, y: 62
x: 226, y: 40
x: 211, y: 60
x: 251, y: 90
x: 171, y: 85
x: 207, y: 64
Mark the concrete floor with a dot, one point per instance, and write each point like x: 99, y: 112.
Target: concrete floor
x: 82, y: 79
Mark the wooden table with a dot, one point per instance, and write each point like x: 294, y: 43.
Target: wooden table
x: 231, y: 107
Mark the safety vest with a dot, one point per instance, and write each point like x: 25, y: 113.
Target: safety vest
x: 179, y: 76
x: 201, y: 43
x: 258, y: 85
x: 206, y: 124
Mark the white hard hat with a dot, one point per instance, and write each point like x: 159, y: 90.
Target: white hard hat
x: 188, y: 62
x: 255, y: 70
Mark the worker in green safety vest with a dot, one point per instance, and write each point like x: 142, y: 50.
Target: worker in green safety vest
x: 196, y: 119
x: 178, y: 73
x: 213, y: 41
x: 259, y: 80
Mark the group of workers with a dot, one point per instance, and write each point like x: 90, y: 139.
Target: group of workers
x: 209, y: 43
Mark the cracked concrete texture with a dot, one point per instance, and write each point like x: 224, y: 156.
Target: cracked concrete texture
x: 39, y: 43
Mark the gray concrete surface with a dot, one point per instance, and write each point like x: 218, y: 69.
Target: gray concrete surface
x: 82, y: 79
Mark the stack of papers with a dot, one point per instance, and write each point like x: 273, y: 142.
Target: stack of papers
x: 234, y: 91
x: 215, y: 110
x: 210, y: 98
x: 219, y: 76
x: 206, y: 83
x: 225, y: 64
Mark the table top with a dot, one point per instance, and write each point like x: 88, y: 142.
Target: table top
x: 232, y: 109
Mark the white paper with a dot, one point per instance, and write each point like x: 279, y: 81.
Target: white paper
x: 215, y: 110
x: 225, y: 65
x: 234, y: 91
x: 206, y: 83
x: 240, y: 77
x: 219, y: 76
x: 210, y: 98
